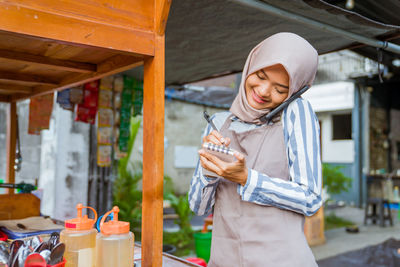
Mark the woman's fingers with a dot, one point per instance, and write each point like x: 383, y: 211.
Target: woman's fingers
x: 205, y: 163
x: 227, y: 141
x: 239, y: 156
x: 214, y: 159
x: 215, y: 138
x: 218, y: 136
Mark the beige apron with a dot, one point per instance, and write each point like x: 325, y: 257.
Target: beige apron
x: 251, y: 235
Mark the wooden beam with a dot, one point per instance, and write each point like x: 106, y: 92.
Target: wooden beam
x: 52, y: 63
x: 26, y: 78
x: 162, y: 11
x: 5, y: 98
x: 84, y: 30
x: 12, y: 88
x: 153, y: 156
x: 110, y: 66
x: 11, y: 144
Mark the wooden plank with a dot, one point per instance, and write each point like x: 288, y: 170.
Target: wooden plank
x: 5, y: 98
x: 14, y: 18
x: 314, y: 228
x: 153, y: 156
x: 26, y: 78
x: 11, y: 144
x: 19, y: 206
x: 65, y: 65
x: 120, y: 13
x: 162, y: 11
x: 12, y: 88
x: 110, y: 66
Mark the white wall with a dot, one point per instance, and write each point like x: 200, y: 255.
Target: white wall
x: 64, y: 165
x: 331, y: 96
x: 326, y: 100
x: 334, y: 151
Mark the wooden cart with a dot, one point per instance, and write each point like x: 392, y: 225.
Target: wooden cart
x: 48, y: 45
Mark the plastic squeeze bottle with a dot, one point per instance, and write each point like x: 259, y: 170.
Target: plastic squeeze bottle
x: 114, y: 246
x: 79, y: 237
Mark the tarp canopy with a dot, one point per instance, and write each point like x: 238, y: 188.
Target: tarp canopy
x: 213, y: 37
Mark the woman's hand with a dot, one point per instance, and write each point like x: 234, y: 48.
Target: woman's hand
x: 233, y: 171
x: 217, y: 139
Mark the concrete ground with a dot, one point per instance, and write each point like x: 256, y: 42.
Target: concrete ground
x: 339, y: 241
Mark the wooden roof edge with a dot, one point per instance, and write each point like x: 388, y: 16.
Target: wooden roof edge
x: 5, y: 98
x: 65, y: 65
x: 113, y: 65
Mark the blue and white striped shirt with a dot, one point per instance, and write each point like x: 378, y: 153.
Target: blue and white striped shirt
x: 302, y: 193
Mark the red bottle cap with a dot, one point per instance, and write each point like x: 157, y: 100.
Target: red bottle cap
x: 81, y: 223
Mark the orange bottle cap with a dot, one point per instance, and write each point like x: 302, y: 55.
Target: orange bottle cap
x: 113, y: 227
x: 81, y: 223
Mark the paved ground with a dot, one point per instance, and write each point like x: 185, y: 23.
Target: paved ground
x: 337, y: 240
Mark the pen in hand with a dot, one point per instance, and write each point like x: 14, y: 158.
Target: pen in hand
x: 208, y: 119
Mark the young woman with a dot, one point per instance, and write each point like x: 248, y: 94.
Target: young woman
x: 260, y: 200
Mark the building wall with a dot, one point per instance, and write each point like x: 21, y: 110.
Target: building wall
x: 328, y: 100
x: 184, y: 125
x: 30, y: 145
x: 395, y: 138
x: 378, y: 139
x: 334, y: 151
x: 64, y: 165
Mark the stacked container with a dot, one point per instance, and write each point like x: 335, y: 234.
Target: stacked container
x: 79, y: 237
x: 114, y: 246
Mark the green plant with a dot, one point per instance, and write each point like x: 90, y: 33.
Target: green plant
x: 332, y: 221
x: 180, y: 204
x: 126, y: 194
x: 183, y: 239
x: 335, y: 181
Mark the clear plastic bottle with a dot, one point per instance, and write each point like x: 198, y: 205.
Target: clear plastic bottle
x: 114, y: 246
x: 79, y: 237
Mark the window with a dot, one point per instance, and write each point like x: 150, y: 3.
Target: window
x: 341, y: 125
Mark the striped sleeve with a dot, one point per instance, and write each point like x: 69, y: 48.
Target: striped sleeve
x: 202, y: 188
x: 302, y: 193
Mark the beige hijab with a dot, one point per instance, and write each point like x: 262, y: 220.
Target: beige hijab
x: 295, y: 54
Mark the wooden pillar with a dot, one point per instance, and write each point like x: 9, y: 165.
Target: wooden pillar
x: 153, y: 156
x: 11, y: 143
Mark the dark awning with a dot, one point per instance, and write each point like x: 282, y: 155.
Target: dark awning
x: 212, y: 37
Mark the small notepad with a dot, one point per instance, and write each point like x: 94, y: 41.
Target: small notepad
x: 222, y: 152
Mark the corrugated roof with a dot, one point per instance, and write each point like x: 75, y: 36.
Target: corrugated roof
x: 212, y: 37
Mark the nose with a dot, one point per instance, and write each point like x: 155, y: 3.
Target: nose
x: 265, y: 89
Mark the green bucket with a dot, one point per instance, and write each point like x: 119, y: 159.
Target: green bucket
x: 203, y: 245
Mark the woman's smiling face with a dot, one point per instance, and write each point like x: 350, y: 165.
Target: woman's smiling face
x: 268, y: 87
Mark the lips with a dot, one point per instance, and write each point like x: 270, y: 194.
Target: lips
x: 257, y: 98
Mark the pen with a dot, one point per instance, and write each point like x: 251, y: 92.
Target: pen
x: 207, y: 117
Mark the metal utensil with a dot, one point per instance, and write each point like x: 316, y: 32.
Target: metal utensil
x: 4, y: 254
x: 45, y: 254
x: 53, y: 240
x: 42, y: 246
x: 14, y: 247
x: 34, y: 242
x: 57, y: 254
x: 23, y: 253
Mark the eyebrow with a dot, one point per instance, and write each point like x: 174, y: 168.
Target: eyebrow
x: 281, y: 85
